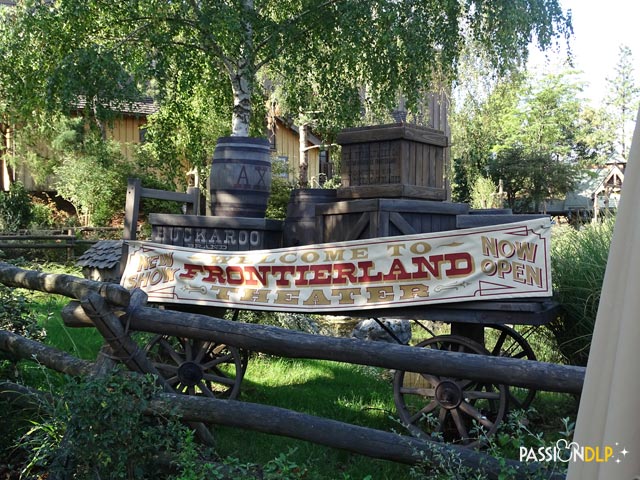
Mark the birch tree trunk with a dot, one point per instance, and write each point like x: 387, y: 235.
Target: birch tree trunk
x: 242, y: 85
x: 242, y: 76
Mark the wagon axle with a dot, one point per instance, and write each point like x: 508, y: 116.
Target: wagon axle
x: 448, y: 394
x: 190, y: 374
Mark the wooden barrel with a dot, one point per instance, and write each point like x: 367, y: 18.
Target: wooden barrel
x: 240, y: 180
x: 300, y: 224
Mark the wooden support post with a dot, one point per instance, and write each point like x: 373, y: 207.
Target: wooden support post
x: 132, y: 209
x: 127, y: 350
x: 193, y: 205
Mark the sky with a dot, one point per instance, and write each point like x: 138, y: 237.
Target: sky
x: 600, y: 27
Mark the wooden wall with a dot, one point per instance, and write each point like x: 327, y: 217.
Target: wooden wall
x: 287, y: 145
x: 125, y: 130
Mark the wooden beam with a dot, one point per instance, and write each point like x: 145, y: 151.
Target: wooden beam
x: 66, y: 285
x: 23, y: 348
x: 364, y: 441
x: 294, y: 344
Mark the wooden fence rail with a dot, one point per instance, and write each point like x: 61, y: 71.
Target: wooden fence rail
x: 44, y: 242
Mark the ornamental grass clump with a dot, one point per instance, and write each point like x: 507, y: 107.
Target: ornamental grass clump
x: 578, y: 262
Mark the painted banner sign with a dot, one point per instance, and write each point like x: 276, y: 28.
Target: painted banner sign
x: 497, y: 262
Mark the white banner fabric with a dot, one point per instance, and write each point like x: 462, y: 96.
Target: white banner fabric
x: 496, y: 262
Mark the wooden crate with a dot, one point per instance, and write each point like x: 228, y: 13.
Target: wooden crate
x: 396, y: 160
x: 384, y: 217
x: 216, y: 233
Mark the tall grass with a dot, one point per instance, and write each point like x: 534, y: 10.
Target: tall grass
x: 578, y: 262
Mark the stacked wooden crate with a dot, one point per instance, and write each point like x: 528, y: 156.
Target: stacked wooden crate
x: 393, y: 183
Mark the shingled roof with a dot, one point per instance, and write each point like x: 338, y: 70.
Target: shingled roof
x: 104, y: 254
x: 142, y: 106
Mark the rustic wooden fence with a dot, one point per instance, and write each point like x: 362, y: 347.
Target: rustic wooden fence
x: 61, y: 239
x: 115, y: 311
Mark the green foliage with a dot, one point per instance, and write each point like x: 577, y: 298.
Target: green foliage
x: 578, y: 262
x: 536, y: 135
x: 622, y: 100
x: 281, y: 188
x: 279, y: 468
x: 99, y: 430
x: 91, y: 173
x: 16, y: 314
x: 321, y: 54
x: 15, y: 208
x: 530, y: 177
x: 485, y: 194
x: 513, y: 433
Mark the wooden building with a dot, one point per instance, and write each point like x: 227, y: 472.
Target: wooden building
x: 284, y: 138
x: 127, y: 129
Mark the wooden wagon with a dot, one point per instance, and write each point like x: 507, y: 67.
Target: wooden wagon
x: 456, y: 409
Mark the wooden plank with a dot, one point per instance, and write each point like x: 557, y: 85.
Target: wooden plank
x: 365, y: 167
x: 424, y: 166
x: 374, y: 163
x: 386, y: 162
x: 391, y: 190
x: 166, y: 195
x: 25, y: 246
x: 380, y: 133
x: 21, y: 347
x: 416, y: 178
x: 357, y: 229
x: 38, y: 237
x: 344, y: 207
x: 131, y: 209
x: 361, y: 440
x: 405, y: 227
x: 199, y: 221
x: 378, y: 224
x: 532, y: 311
x: 423, y: 206
x: 439, y: 162
x: 470, y: 221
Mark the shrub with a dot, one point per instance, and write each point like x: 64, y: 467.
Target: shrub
x: 15, y: 208
x: 97, y: 429
x: 281, y: 188
x: 578, y: 262
x: 16, y: 314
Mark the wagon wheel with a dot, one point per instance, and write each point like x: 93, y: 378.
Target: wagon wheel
x: 452, y: 409
x: 197, y: 367
x: 510, y: 343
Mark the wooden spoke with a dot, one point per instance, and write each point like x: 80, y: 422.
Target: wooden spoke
x: 476, y: 415
x: 206, y: 390
x: 169, y: 349
x: 425, y: 392
x: 219, y: 379
x: 504, y: 341
x: 460, y: 425
x: 495, y: 351
x: 427, y: 409
x: 453, y: 404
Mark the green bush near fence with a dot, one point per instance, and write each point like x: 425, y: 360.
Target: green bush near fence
x: 15, y: 208
x: 578, y: 262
